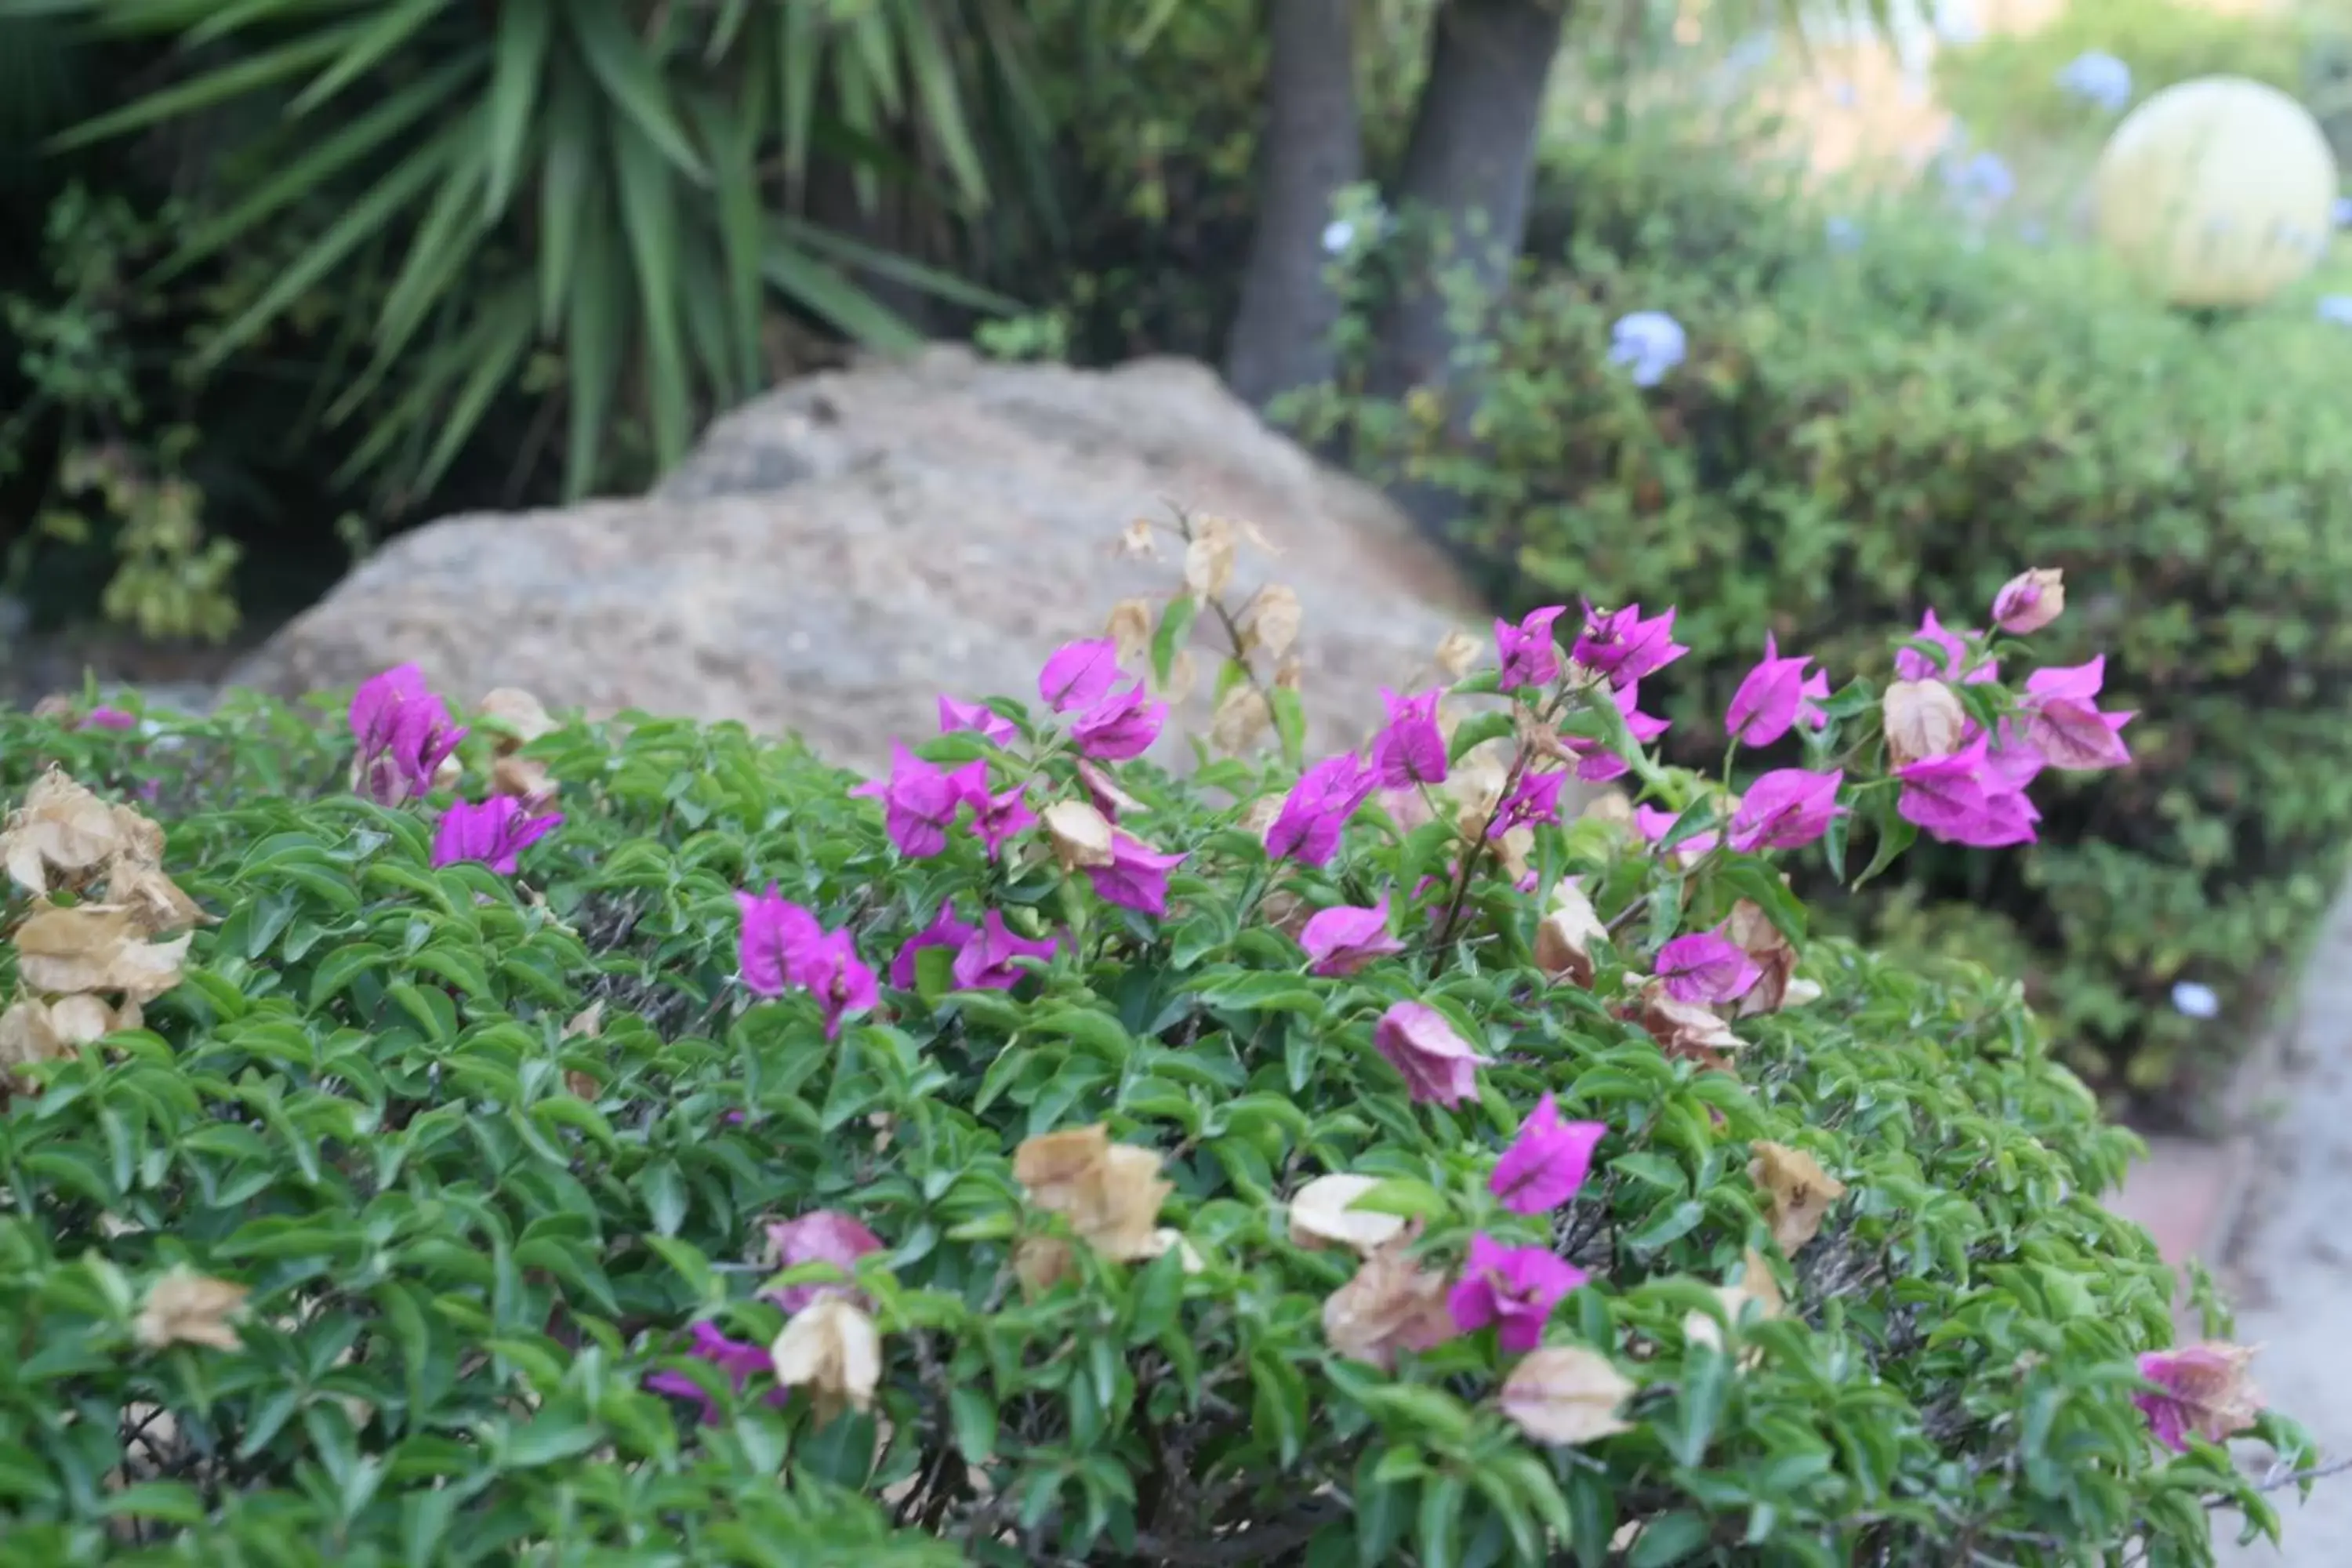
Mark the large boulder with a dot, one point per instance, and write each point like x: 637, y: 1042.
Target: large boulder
x: 841, y: 550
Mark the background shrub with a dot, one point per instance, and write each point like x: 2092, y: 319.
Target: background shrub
x: 1864, y: 432
x: 2005, y: 85
x: 481, y: 1148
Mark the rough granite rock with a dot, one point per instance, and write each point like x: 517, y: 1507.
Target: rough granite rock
x: 841, y: 550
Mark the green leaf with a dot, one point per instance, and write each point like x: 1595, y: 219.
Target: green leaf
x: 594, y: 341
x: 632, y: 83
x: 1175, y: 629
x: 649, y: 217
x: 1894, y: 835
x: 214, y: 87
x: 1438, y: 1531
x: 663, y: 1187
x: 524, y: 28
x: 972, y: 1414
x: 1668, y: 1539
x: 399, y: 113
x: 1405, y: 1197
x: 394, y: 26
x: 1476, y: 730
x: 360, y: 222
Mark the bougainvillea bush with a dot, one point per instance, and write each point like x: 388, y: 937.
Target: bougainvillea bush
x: 473, y: 1137
x: 1863, y: 414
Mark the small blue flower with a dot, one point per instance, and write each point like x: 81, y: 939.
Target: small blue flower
x: 1338, y: 235
x: 2098, y: 77
x: 1842, y: 232
x: 1983, y: 176
x: 2344, y: 211
x: 2336, y: 310
x: 2194, y: 1000
x: 1650, y: 342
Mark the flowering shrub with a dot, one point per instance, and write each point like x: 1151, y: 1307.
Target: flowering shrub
x: 1855, y: 436
x: 1030, y: 1156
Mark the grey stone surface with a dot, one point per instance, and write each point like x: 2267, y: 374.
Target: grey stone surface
x: 839, y: 551
x: 2290, y: 1266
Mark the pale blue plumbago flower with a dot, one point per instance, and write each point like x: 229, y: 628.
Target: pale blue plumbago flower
x: 1983, y: 177
x: 2098, y: 77
x: 1338, y: 235
x: 1842, y: 232
x: 2191, y: 1000
x: 2344, y: 211
x: 2336, y: 310
x: 1648, y: 342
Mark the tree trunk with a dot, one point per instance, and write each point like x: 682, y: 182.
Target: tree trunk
x: 1469, y: 164
x: 1281, y: 335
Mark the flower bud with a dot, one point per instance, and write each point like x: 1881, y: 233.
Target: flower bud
x: 2030, y: 601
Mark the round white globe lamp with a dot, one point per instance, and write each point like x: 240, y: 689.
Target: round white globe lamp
x: 2219, y: 191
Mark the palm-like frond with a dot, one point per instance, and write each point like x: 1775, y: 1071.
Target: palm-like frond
x: 611, y: 178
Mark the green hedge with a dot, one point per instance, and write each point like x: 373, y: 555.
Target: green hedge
x: 1861, y: 434
x: 364, y: 1244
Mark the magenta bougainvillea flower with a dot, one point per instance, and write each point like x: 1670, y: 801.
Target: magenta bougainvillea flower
x: 1706, y: 968
x: 1439, y: 1066
x: 1621, y: 645
x: 821, y: 1235
x: 1529, y: 656
x: 1306, y: 829
x: 1775, y: 696
x: 1597, y: 761
x: 1513, y: 1288
x: 2200, y: 1389
x: 1786, y: 808
x: 2063, y: 723
x: 403, y: 734
x: 1136, y: 876
x: 1654, y: 824
x: 104, y: 717
x: 739, y: 1359
x: 1078, y: 675
x: 919, y: 800
x: 1534, y: 798
x: 1547, y: 1162
x: 1000, y: 818
x: 1343, y: 940
x: 1409, y: 750
x: 838, y: 979
x: 979, y: 717
x: 494, y: 832
x: 771, y: 932
x: 986, y: 963
x: 945, y: 930
x: 781, y: 945
x: 1964, y: 797
x: 1120, y: 725
x: 1910, y: 664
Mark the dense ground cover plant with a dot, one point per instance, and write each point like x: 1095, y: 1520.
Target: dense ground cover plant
x: 465, y: 1142
x: 1869, y: 411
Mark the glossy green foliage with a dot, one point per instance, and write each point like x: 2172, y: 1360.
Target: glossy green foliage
x: 470, y: 1225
